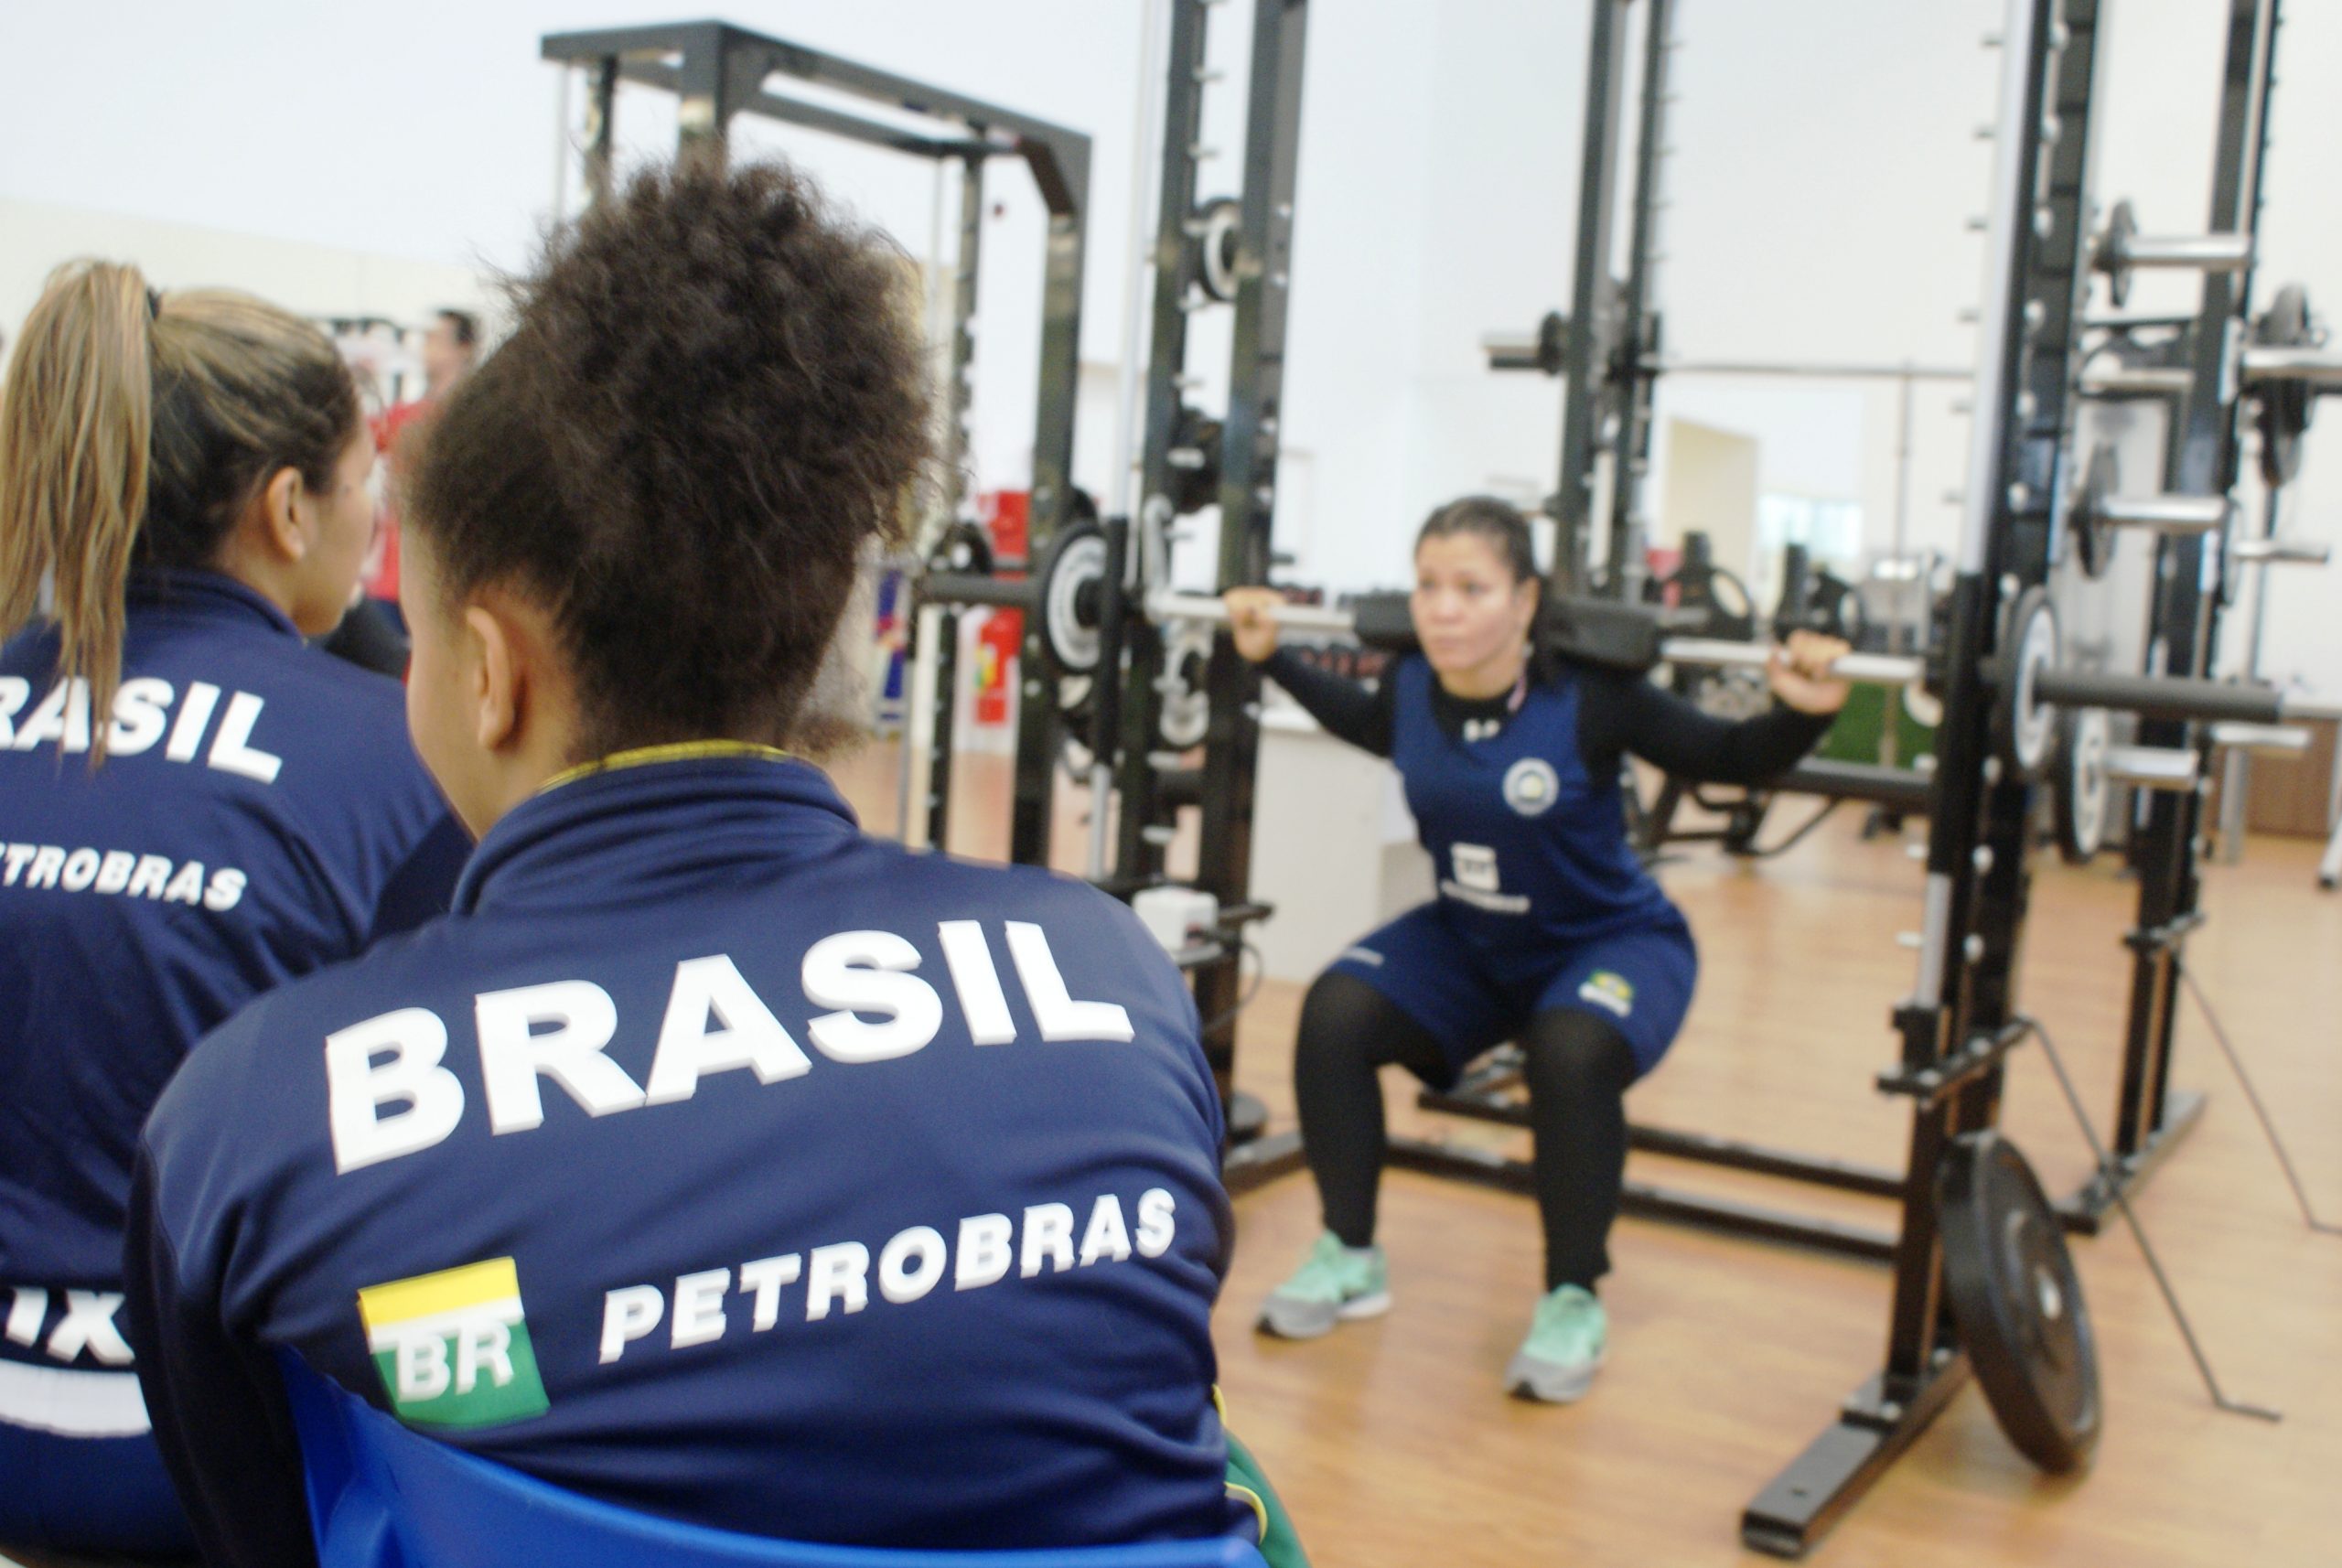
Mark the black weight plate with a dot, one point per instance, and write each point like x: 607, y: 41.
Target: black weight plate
x: 2283, y: 409
x: 2017, y: 1301
x: 2093, y: 541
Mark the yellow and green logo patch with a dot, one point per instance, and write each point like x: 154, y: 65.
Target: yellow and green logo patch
x: 453, y: 1347
x: 1606, y: 988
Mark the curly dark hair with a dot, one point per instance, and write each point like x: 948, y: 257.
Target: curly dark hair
x: 713, y: 398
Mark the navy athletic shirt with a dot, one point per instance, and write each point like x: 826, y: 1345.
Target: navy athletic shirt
x: 260, y: 813
x: 720, y: 1163
x: 1519, y: 799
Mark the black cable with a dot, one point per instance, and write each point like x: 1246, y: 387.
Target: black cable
x: 2109, y: 1173
x: 1790, y: 843
x: 1260, y: 974
x: 2236, y: 1064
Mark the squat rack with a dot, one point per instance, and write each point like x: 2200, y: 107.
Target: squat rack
x: 718, y: 72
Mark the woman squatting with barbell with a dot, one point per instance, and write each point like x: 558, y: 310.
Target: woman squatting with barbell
x: 1546, y: 928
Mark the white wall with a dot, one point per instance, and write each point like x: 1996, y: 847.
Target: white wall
x: 1826, y: 166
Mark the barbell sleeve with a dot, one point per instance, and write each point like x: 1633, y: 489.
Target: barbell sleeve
x: 1869, y: 669
x: 2169, y: 697
x: 2185, y: 253
x: 2281, y: 551
x: 2317, y: 366
x: 977, y: 588
x: 2170, y: 769
x: 1209, y: 611
x: 2163, y: 514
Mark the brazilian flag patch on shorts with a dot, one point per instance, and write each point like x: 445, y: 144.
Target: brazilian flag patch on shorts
x: 1606, y: 988
x: 453, y: 1347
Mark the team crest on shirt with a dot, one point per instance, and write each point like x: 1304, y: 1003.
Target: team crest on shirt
x: 453, y: 1347
x: 1607, y: 988
x: 1530, y: 786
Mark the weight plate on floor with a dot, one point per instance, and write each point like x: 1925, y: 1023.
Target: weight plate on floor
x: 2083, y: 798
x: 2017, y: 1301
x: 1071, y: 584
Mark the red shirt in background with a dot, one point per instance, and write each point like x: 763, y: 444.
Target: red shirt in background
x: 391, y: 427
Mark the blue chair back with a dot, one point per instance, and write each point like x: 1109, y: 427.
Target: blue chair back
x: 383, y: 1497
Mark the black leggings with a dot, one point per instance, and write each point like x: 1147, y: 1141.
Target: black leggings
x: 1577, y: 1068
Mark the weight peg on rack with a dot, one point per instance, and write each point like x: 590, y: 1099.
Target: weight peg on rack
x: 2024, y: 724
x: 1194, y: 482
x: 1072, y: 578
x: 2081, y: 792
x: 1185, y: 714
x: 1218, y: 229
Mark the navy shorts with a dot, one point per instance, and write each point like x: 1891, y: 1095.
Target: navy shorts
x: 1638, y: 980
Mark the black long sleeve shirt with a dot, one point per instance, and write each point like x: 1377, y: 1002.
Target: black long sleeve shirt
x: 1618, y: 714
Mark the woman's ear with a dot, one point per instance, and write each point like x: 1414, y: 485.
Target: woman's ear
x: 498, y: 676
x: 284, y: 529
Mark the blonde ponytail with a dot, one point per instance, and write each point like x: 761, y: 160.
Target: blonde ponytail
x: 76, y: 427
x: 134, y: 430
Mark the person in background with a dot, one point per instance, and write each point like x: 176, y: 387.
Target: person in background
x: 449, y: 348
x: 194, y: 805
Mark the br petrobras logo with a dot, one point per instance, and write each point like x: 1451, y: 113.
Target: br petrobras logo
x: 453, y: 1347
x: 1530, y: 786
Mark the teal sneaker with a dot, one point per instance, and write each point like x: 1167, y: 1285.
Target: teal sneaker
x: 1334, y: 1284
x: 1557, y: 1363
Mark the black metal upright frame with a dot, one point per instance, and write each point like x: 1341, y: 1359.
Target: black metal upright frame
x: 1606, y: 366
x: 2202, y: 453
x: 718, y: 72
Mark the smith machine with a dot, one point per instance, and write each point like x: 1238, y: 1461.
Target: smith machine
x: 717, y: 71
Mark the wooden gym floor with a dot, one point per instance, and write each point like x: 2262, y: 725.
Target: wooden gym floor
x: 1392, y: 1441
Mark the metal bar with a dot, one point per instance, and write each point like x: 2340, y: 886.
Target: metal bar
x: 2318, y: 367
x: 812, y: 65
x: 1839, y: 372
x: 2136, y: 382
x: 1800, y: 1504
x: 2165, y: 514
x: 1462, y: 1163
x: 1870, y: 668
x: 2166, y: 699
x: 2277, y: 739
x: 2154, y: 766
x: 601, y: 127
x: 789, y: 111
x: 2270, y: 552
x: 1700, y: 1147
x: 2190, y: 252
x: 2084, y: 1209
x: 1248, y: 469
x: 1585, y: 400
x: 1638, y: 322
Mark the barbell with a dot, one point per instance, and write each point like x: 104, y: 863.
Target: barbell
x: 2032, y: 682
x: 1068, y: 590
